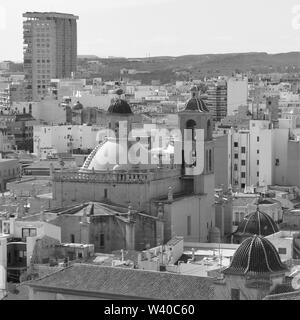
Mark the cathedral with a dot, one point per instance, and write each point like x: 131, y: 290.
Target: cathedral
x: 177, y: 193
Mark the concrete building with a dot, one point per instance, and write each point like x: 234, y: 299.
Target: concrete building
x: 237, y: 93
x: 258, y: 156
x: 50, y: 49
x: 9, y: 170
x: 21, y: 239
x: 65, y: 139
x: 217, y: 99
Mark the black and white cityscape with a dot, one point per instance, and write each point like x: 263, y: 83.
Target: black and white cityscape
x: 150, y: 150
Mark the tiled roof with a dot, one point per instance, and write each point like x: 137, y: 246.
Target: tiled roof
x: 20, y: 293
x: 256, y: 256
x: 259, y: 223
x: 120, y: 106
x: 284, y: 296
x: 128, y: 282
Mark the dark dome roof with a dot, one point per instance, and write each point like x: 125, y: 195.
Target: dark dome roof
x: 120, y: 106
x: 196, y: 104
x: 255, y: 256
x: 77, y: 106
x: 258, y: 223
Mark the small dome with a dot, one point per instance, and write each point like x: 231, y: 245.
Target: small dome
x: 196, y: 104
x: 255, y: 256
x: 119, y: 92
x: 258, y: 223
x: 77, y: 106
x: 120, y: 106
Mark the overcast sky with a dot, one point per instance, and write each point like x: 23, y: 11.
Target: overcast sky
x: 136, y: 28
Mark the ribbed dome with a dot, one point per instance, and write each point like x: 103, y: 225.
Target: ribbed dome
x: 258, y: 223
x: 196, y: 104
x: 120, y: 106
x: 107, y: 156
x: 256, y: 256
x: 77, y: 106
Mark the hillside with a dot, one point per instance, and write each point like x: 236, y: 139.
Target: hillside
x: 168, y: 68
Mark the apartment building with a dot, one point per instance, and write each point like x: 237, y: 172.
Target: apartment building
x: 50, y: 49
x: 217, y: 99
x: 237, y: 93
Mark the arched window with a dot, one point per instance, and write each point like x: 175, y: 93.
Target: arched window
x: 191, y: 124
x: 208, y: 129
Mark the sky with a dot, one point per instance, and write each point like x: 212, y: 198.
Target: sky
x: 139, y: 28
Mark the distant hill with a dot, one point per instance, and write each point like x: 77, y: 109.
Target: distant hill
x: 167, y: 68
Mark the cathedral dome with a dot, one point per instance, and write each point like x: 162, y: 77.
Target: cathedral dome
x: 119, y: 106
x: 196, y: 104
x: 258, y: 223
x: 256, y: 256
x: 106, y: 157
x: 110, y: 154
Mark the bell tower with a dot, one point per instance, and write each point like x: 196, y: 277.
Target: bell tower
x: 198, y: 160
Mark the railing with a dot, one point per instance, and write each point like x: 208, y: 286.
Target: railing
x: 114, y: 177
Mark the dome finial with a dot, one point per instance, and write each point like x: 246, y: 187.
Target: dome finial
x: 119, y: 92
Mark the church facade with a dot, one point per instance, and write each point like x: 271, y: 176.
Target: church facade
x: 178, y: 193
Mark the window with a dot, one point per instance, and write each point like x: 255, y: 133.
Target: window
x: 257, y: 162
x: 282, y: 250
x: 243, y: 185
x: 235, y: 294
x: 28, y: 232
x: 72, y: 238
x: 257, y: 174
x: 235, y: 168
x: 257, y: 139
x: 6, y: 227
x: 277, y: 162
x: 236, y: 156
x: 105, y: 193
x: 236, y: 145
x: 243, y: 149
x: 189, y: 225
x: 243, y: 162
x: 257, y: 151
x: 102, y: 240
x: 210, y: 161
x: 243, y: 174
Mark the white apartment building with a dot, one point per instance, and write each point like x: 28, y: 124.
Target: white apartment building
x: 259, y: 156
x: 237, y: 93
x: 66, y: 138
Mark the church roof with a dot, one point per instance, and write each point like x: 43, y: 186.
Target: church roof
x: 256, y: 256
x: 120, y: 106
x: 124, y: 282
x: 259, y: 223
x: 196, y: 104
